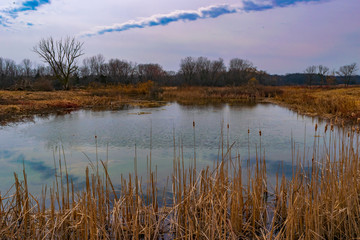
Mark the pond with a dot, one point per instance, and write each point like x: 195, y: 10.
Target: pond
x: 117, y: 137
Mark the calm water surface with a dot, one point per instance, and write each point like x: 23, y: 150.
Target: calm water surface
x: 37, y: 143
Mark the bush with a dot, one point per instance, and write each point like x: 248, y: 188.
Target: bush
x: 43, y: 85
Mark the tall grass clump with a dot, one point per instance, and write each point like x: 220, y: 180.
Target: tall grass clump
x: 338, y: 102
x: 232, y: 199
x: 206, y: 95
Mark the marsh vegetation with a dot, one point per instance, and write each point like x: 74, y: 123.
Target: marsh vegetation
x: 232, y: 199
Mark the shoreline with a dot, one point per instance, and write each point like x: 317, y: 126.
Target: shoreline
x: 210, y: 203
x: 342, y: 104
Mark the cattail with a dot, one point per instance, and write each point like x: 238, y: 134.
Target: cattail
x: 332, y: 127
x: 248, y: 131
x: 193, y: 123
x: 316, y: 127
x: 326, y: 127
x: 228, y: 126
x: 260, y: 133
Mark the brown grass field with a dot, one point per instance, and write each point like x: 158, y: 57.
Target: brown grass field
x: 330, y: 103
x: 18, y: 105
x: 341, y: 103
x: 206, y: 95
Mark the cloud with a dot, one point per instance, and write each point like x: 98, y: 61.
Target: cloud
x: 164, y: 19
x: 12, y: 12
x: 3, y: 21
x: 212, y: 11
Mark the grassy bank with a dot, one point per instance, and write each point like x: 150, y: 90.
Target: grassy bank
x: 17, y: 105
x: 205, y: 95
x: 324, y: 102
x: 230, y: 200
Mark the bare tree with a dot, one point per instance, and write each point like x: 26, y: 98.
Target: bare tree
x: 121, y: 70
x: 331, y: 77
x: 8, y: 72
x: 10, y: 69
x: 240, y: 71
x: 85, y: 69
x: 1, y: 67
x: 61, y: 56
x: 347, y: 72
x: 26, y: 66
x: 97, y: 65
x: 217, y: 70
x: 26, y: 72
x: 151, y: 71
x: 310, y: 73
x: 322, y: 73
x: 187, y: 69
x: 237, y: 64
x: 202, y: 68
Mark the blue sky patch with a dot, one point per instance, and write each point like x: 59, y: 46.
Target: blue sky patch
x: 26, y: 6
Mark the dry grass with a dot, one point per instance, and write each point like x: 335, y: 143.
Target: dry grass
x: 338, y: 102
x: 204, y: 95
x: 15, y: 105
x: 226, y: 201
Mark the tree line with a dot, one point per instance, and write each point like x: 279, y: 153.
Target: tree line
x: 62, y: 71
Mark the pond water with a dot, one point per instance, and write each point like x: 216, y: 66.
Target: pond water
x: 38, y: 143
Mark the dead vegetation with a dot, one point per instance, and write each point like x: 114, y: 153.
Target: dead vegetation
x: 230, y: 200
x: 16, y: 105
x: 205, y: 95
x: 325, y: 102
x: 333, y: 102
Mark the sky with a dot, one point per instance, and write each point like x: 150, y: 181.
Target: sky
x: 278, y: 36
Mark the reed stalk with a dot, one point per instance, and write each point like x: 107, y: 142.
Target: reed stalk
x: 320, y: 200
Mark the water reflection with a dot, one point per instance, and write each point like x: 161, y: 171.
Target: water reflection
x: 34, y: 143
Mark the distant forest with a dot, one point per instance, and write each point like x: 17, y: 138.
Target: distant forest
x: 199, y: 71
